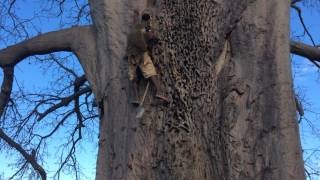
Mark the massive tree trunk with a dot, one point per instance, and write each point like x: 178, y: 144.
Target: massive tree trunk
x: 225, y: 66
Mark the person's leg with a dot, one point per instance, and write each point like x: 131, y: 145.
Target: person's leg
x: 156, y: 82
x: 135, y: 99
x: 159, y: 91
x: 149, y: 72
x: 134, y: 81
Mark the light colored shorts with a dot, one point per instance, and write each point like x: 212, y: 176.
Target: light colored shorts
x: 142, y: 61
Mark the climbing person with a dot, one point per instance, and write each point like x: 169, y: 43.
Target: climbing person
x: 140, y: 40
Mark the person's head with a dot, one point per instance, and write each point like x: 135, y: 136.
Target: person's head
x: 145, y: 17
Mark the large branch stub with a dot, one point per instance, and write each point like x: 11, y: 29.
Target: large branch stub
x: 304, y: 50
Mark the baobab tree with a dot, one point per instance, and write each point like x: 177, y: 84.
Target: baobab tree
x: 225, y: 66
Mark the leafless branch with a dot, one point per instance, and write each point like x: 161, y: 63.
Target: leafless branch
x: 62, y: 40
x: 11, y: 5
x: 42, y: 44
x: 63, y: 66
x: 295, y: 1
x: 16, y: 173
x: 80, y: 88
x: 57, y: 126
x: 27, y: 156
x: 22, y: 127
x: 81, y: 11
x: 64, y: 102
x: 72, y: 150
x: 6, y: 88
x: 303, y: 24
x: 76, y: 89
x: 310, y: 52
x: 299, y: 106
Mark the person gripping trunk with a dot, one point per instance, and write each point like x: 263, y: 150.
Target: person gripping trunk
x: 140, y: 40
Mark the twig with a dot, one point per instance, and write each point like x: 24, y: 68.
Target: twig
x: 302, y: 22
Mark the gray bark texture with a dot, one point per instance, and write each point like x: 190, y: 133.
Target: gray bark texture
x: 225, y: 66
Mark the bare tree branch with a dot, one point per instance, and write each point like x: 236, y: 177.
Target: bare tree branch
x: 299, y: 106
x: 74, y: 141
x: 76, y: 89
x: 80, y: 41
x: 16, y: 173
x: 307, y: 51
x: 27, y: 156
x: 6, y: 88
x: 10, y: 6
x: 62, y: 40
x: 303, y: 24
x: 295, y: 1
x: 64, y: 102
x: 80, y: 89
x: 63, y: 66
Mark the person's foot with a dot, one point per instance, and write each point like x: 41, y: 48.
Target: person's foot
x: 162, y: 96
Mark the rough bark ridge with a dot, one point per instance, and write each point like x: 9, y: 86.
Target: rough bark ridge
x: 265, y: 137
x: 225, y: 66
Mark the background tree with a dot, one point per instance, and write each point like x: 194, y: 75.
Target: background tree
x: 224, y: 66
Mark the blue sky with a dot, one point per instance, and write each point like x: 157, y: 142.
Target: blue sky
x: 306, y: 79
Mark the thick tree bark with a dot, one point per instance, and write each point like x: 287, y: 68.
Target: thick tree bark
x: 266, y: 126
x: 225, y: 65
